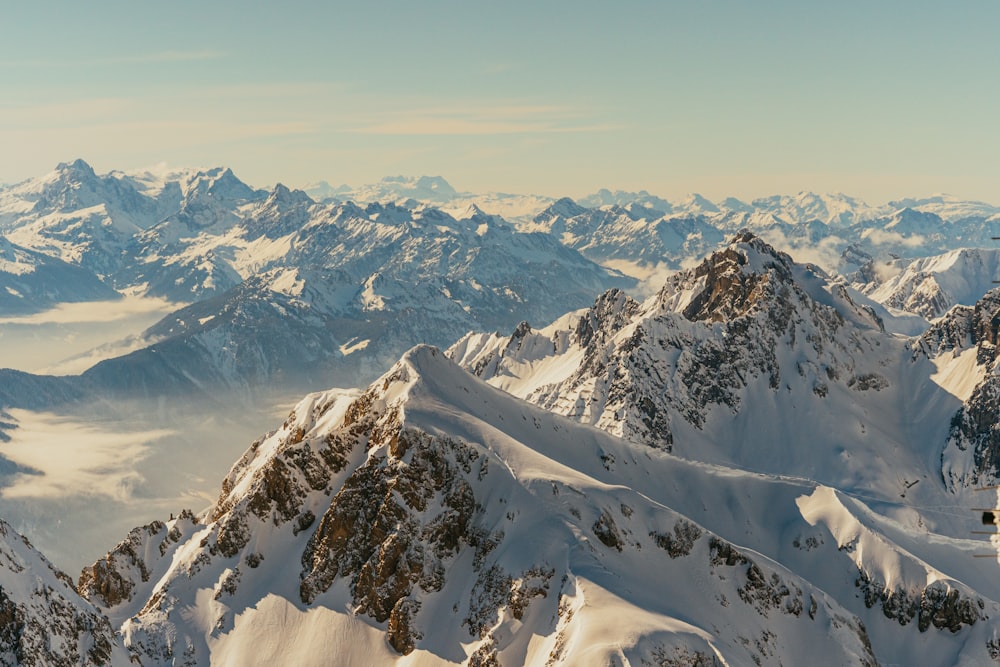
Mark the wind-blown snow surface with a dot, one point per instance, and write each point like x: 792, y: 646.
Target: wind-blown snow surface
x: 437, y: 520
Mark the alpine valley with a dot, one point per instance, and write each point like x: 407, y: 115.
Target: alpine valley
x: 613, y: 431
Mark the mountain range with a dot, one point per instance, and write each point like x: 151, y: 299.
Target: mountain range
x: 342, y: 288
x: 761, y: 462
x: 282, y: 291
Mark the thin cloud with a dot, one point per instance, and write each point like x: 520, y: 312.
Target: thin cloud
x: 70, y: 458
x: 136, y: 59
x: 483, y: 120
x: 95, y: 311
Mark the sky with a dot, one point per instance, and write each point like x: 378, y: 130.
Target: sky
x: 880, y: 100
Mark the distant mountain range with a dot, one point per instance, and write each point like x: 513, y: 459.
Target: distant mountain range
x: 284, y: 292
x: 831, y: 209
x: 638, y: 232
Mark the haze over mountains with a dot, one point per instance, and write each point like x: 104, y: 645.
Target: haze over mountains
x: 763, y: 453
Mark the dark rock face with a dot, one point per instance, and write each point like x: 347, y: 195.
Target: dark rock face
x: 610, y: 312
x: 108, y: 581
x: 400, y: 547
x: 964, y: 327
x: 729, y: 290
x: 681, y: 541
x: 976, y: 427
x: 937, y: 604
x: 607, y: 532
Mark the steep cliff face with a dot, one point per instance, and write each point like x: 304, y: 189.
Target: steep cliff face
x: 43, y: 620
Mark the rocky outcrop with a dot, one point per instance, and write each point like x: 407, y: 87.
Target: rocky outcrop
x: 937, y: 604
x: 403, y: 545
x: 974, y: 432
x: 964, y: 327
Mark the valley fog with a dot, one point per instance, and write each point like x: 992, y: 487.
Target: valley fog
x: 72, y: 337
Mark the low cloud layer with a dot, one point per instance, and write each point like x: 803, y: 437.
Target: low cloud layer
x: 42, y: 342
x: 74, y: 458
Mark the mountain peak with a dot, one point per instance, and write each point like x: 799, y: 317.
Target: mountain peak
x: 436, y: 183
x: 697, y: 203
x: 563, y: 207
x: 77, y: 166
x: 281, y: 194
x: 435, y: 188
x: 734, y: 279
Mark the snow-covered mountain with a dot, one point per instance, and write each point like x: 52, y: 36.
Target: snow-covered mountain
x: 948, y: 207
x: 43, y: 619
x: 772, y: 478
x: 631, y: 233
x: 434, y: 190
x: 31, y: 281
x: 642, y: 198
x: 725, y: 349
x: 76, y: 216
x: 291, y: 293
x: 189, y: 234
x: 930, y: 286
x: 433, y: 519
x: 835, y: 210
x: 830, y: 230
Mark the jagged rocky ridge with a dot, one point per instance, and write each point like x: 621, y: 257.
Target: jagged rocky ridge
x: 965, y: 340
x: 728, y: 349
x: 931, y: 285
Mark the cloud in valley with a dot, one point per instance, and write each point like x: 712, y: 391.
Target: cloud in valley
x: 74, y: 458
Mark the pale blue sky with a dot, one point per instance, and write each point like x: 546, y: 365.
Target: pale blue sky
x: 877, y: 99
